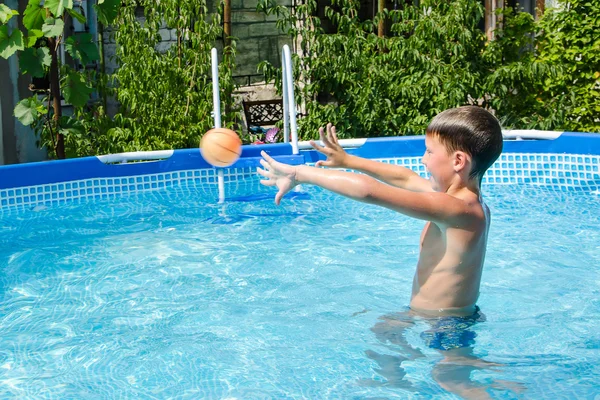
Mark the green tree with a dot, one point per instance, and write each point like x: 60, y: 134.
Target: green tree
x: 373, y: 86
x: 541, y: 74
x: 516, y: 78
x: 37, y: 49
x: 569, y: 38
x: 545, y: 74
x: 165, y: 94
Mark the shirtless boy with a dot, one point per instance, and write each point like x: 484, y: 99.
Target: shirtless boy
x: 461, y: 144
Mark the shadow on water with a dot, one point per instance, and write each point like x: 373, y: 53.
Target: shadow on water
x: 268, y: 196
x: 237, y: 218
x: 231, y: 218
x: 454, y: 340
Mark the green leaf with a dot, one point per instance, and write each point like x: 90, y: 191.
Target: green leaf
x: 57, y: 7
x: 76, y: 90
x: 53, y: 27
x: 6, y: 13
x: 34, y: 15
x: 10, y: 44
x: 107, y: 10
x: 32, y: 61
x: 77, y: 16
x: 33, y: 36
x: 70, y: 126
x: 28, y: 110
x: 82, y: 48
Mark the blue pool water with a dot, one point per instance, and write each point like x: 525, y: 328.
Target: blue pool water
x: 170, y: 295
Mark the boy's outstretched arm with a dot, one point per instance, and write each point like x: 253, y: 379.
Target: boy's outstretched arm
x: 430, y: 206
x: 392, y: 174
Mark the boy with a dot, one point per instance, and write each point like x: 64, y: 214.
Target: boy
x: 461, y: 144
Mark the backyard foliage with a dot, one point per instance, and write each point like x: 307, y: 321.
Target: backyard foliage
x: 516, y: 78
x: 436, y: 57
x: 570, y: 38
x: 547, y: 73
x: 37, y: 48
x: 382, y: 86
x: 164, y: 92
x: 542, y: 74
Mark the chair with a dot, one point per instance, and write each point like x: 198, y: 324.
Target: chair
x: 263, y: 112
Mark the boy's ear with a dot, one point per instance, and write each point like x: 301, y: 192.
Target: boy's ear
x: 461, y: 161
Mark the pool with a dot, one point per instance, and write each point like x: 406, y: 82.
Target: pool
x: 131, y: 280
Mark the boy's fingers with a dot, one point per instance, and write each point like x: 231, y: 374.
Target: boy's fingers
x: 334, y: 137
x: 316, y: 146
x: 325, y: 137
x: 267, y: 182
x: 322, y: 135
x: 266, y: 157
x: 329, y: 133
x: 263, y: 172
x: 322, y: 163
x: 265, y: 164
x: 278, y: 197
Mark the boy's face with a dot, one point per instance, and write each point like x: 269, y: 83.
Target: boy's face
x: 438, y: 163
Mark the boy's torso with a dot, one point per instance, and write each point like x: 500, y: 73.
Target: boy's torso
x: 449, y: 269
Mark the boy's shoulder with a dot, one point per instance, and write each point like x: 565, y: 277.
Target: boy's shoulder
x: 468, y: 207
x: 468, y: 196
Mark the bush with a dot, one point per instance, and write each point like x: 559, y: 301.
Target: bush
x: 165, y: 97
x: 516, y: 77
x: 386, y: 86
x: 569, y: 38
x: 435, y: 58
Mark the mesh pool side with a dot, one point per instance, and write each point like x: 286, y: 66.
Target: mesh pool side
x: 556, y: 171
x: 560, y: 171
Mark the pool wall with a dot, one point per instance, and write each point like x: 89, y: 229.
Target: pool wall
x: 569, y: 162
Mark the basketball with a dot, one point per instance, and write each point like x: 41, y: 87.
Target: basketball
x: 220, y: 147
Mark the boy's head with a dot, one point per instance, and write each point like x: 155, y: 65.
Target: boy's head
x: 470, y: 129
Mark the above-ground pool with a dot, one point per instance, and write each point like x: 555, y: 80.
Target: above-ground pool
x: 133, y: 281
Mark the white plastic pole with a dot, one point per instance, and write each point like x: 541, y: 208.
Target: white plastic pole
x: 286, y: 106
x: 217, y: 115
x: 215, y: 85
x: 135, y: 156
x: 524, y: 134
x: 288, y: 95
x: 345, y: 143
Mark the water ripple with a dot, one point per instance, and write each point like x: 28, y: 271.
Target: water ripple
x: 171, y: 295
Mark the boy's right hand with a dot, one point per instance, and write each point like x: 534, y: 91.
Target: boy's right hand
x: 336, y: 155
x: 281, y: 175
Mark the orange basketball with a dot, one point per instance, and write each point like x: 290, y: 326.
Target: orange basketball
x: 221, y: 147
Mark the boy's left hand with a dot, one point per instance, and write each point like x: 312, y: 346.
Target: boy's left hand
x: 281, y: 175
x: 336, y: 155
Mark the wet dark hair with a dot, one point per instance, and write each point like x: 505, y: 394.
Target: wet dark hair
x: 473, y: 130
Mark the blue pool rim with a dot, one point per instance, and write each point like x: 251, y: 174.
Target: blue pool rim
x: 48, y: 172
x: 571, y: 162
